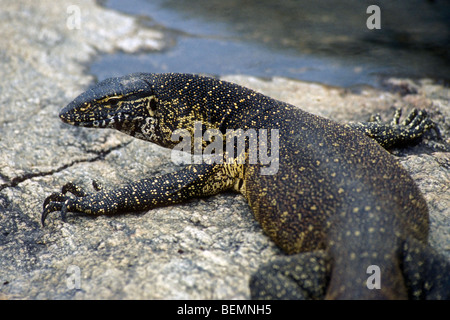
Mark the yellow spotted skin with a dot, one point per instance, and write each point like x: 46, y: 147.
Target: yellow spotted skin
x: 338, y: 204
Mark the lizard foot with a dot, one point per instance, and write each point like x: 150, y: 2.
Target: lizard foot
x: 416, y: 123
x: 59, y: 201
x: 397, y: 133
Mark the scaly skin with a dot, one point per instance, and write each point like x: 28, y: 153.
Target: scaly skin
x: 338, y: 202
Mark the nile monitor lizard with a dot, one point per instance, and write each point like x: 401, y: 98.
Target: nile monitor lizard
x: 339, y: 204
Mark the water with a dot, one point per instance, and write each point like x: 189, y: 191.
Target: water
x: 322, y: 41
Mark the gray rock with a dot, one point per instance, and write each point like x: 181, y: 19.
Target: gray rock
x: 206, y: 248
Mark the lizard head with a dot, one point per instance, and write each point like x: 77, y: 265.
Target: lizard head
x: 126, y: 103
x: 149, y: 106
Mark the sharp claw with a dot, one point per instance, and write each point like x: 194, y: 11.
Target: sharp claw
x: 43, y: 217
x: 50, y: 207
x: 97, y: 185
x: 45, y: 214
x: 46, y: 202
x: 64, y: 212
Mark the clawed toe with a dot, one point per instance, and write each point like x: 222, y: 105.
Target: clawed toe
x: 396, y: 120
x: 415, y: 124
x: 74, y: 189
x: 59, y: 201
x: 418, y: 120
x: 53, y: 206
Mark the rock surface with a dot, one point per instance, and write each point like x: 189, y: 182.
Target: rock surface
x: 203, y: 249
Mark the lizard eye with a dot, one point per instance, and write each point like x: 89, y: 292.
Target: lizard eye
x: 153, y: 105
x: 113, y: 102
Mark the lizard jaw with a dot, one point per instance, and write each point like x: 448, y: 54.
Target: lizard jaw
x: 90, y: 120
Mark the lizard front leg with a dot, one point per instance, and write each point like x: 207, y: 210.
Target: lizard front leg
x: 190, y: 182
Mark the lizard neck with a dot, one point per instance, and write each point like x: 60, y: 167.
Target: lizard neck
x: 216, y: 103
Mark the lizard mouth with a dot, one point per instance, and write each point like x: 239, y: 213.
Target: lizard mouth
x: 94, y: 118
x: 87, y: 121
